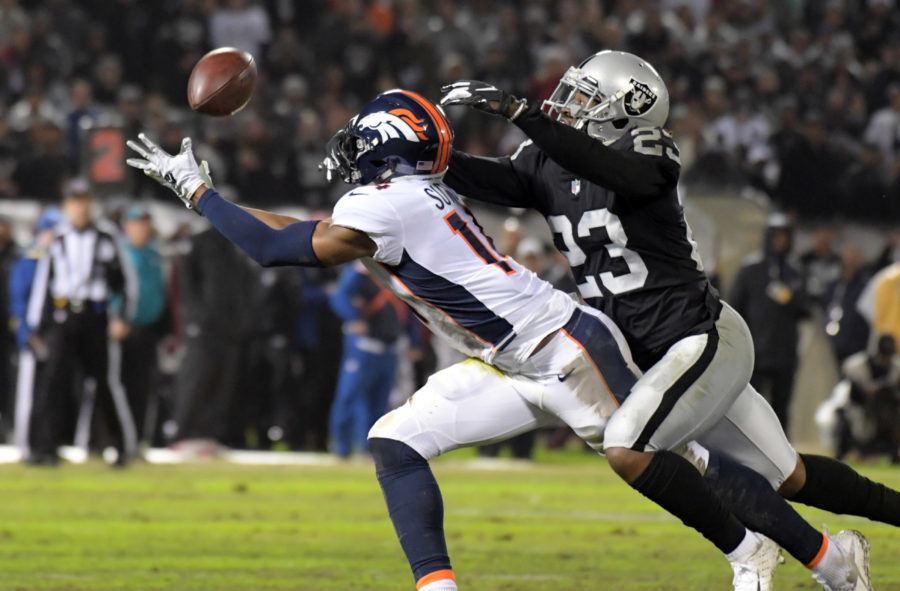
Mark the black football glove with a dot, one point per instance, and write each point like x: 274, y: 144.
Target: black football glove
x: 482, y: 96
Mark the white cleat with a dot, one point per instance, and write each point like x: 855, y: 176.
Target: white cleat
x: 757, y: 572
x: 853, y: 574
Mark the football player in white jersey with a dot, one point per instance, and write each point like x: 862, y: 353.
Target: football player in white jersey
x: 535, y: 355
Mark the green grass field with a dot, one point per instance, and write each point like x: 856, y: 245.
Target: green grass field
x: 564, y: 524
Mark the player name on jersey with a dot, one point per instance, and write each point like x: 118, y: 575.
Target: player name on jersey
x: 432, y: 253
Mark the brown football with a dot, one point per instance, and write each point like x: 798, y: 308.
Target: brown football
x: 222, y: 82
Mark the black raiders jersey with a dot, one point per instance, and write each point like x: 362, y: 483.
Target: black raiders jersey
x: 627, y: 241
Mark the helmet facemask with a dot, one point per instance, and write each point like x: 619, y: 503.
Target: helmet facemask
x: 342, y: 151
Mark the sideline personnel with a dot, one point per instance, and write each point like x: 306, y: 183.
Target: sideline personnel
x: 72, y: 321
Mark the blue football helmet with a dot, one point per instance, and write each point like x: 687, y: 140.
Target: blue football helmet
x: 397, y: 133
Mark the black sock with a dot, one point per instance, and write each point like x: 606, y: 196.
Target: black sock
x: 674, y: 484
x: 836, y: 487
x: 414, y: 503
x: 753, y: 500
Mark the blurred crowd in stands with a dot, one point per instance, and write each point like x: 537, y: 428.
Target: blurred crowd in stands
x: 795, y: 103
x: 798, y: 99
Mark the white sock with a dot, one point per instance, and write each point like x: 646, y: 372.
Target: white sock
x: 747, y: 547
x: 833, y: 565
x: 441, y: 585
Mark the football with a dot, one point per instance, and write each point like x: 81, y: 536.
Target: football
x: 222, y: 82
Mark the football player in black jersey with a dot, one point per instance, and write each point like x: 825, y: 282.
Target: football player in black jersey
x: 603, y: 171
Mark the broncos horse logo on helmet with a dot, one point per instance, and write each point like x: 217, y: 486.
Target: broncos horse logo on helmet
x: 393, y: 124
x: 397, y: 133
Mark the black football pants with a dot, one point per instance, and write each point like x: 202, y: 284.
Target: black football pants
x: 140, y: 374
x: 74, y: 341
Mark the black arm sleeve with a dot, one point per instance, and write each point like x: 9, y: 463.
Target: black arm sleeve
x: 492, y: 180
x: 623, y: 171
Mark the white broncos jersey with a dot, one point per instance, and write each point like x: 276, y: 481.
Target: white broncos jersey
x: 434, y: 256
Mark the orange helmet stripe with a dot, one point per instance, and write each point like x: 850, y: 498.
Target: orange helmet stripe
x: 445, y: 135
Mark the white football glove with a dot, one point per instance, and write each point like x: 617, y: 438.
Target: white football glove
x: 205, y: 175
x: 181, y: 173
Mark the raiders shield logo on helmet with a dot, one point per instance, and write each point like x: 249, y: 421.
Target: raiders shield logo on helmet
x: 640, y: 99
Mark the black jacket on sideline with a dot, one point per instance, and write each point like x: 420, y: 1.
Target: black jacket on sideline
x: 773, y: 324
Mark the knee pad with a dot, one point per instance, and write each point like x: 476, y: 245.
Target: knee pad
x: 402, y: 424
x: 592, y: 435
x: 621, y: 431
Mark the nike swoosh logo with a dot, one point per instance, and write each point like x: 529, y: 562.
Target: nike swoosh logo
x: 351, y: 193
x: 564, y: 377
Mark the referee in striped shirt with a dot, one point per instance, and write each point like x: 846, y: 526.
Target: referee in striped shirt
x: 74, y: 328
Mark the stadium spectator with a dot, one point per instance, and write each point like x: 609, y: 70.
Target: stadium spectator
x: 844, y: 325
x: 139, y: 344
x: 107, y: 80
x: 214, y: 281
x: 8, y: 255
x: 821, y: 265
x: 373, y: 321
x: 810, y: 168
x: 768, y: 292
x: 864, y: 188
x: 83, y: 112
x: 20, y: 282
x: 266, y: 411
x: 242, y: 24
x: 33, y: 106
x: 321, y: 355
x: 883, y: 130
x: 890, y: 252
x: 41, y: 173
x: 303, y: 177
x: 871, y: 416
x: 880, y: 301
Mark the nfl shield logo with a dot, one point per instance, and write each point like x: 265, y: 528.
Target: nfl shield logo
x: 576, y: 186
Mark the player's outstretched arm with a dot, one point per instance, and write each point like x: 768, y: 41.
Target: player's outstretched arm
x: 625, y: 172
x: 275, y: 220
x: 492, y: 180
x: 268, y: 238
x: 302, y: 243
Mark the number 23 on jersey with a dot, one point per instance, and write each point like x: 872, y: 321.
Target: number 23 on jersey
x: 595, y: 219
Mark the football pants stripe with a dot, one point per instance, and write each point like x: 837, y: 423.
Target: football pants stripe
x: 676, y: 391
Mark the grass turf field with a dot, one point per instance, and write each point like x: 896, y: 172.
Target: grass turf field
x: 567, y: 523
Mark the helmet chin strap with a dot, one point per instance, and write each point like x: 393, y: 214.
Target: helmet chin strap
x: 585, y: 122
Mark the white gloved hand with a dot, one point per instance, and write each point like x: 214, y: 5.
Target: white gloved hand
x: 205, y: 174
x: 181, y: 173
